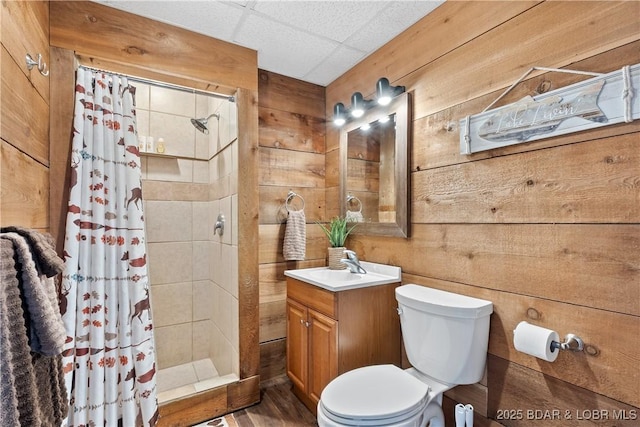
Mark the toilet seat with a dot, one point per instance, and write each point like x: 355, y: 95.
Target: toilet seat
x: 374, y: 395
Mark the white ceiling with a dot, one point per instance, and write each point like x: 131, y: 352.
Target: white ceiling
x: 314, y: 41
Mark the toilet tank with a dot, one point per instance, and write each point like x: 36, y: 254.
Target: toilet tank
x: 445, y: 334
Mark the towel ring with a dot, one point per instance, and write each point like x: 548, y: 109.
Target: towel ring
x: 351, y: 199
x: 290, y: 197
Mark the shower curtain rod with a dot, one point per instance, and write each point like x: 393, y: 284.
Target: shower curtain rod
x: 163, y: 84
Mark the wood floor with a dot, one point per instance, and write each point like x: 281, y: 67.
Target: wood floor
x: 279, y: 407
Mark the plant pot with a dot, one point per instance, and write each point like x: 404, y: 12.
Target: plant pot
x: 335, y: 255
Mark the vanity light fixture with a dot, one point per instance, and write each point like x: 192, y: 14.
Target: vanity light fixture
x: 365, y: 127
x: 339, y: 114
x: 359, y: 105
x: 385, y: 92
x: 384, y: 119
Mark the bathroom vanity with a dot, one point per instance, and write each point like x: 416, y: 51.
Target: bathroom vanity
x: 338, y: 321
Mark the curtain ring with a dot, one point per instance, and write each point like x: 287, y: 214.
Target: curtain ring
x: 290, y: 196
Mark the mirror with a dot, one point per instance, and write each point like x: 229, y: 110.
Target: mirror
x: 374, y: 171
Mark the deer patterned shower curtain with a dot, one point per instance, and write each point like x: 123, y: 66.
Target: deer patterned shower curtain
x: 109, y: 357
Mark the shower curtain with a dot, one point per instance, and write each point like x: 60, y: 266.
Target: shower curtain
x: 109, y: 356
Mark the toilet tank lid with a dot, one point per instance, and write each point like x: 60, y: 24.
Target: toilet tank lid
x: 442, y: 303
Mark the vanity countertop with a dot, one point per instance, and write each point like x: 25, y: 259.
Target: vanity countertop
x: 341, y: 280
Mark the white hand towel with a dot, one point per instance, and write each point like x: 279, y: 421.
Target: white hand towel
x: 295, y: 237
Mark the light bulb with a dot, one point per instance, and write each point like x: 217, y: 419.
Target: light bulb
x: 384, y: 100
x: 357, y: 105
x: 357, y: 113
x: 339, y: 114
x: 385, y: 92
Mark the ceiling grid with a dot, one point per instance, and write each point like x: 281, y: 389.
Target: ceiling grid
x: 314, y: 41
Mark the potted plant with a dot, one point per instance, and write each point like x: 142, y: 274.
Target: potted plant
x: 337, y: 231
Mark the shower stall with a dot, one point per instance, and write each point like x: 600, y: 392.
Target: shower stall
x: 188, y: 145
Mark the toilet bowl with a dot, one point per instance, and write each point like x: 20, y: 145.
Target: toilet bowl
x: 445, y: 336
x: 380, y: 395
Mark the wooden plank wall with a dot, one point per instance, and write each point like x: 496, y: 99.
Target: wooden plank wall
x: 549, y: 230
x: 291, y: 144
x: 24, y: 122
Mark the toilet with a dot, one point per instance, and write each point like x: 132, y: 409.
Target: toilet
x: 445, y: 336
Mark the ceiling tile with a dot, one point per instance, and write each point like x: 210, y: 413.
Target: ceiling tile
x: 283, y: 49
x: 397, y: 16
x: 214, y: 19
x: 238, y: 2
x: 334, y: 65
x: 336, y: 20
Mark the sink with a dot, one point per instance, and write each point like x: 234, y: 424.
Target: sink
x: 334, y: 275
x: 341, y: 280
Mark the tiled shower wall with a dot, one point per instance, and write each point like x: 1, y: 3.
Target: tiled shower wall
x: 194, y: 272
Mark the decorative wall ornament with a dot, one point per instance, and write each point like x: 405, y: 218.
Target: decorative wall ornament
x: 604, y: 100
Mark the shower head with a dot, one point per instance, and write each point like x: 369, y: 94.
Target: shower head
x: 201, y: 124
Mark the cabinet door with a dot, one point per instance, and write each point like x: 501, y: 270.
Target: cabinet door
x: 323, y: 353
x: 297, y: 347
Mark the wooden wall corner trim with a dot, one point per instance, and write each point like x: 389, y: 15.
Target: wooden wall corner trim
x: 248, y: 241
x: 61, y: 119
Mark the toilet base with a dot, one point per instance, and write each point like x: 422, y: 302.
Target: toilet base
x: 432, y: 416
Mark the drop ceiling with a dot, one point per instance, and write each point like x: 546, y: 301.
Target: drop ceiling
x: 314, y: 41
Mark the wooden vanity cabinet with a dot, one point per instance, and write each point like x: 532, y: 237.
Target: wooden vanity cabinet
x: 329, y: 333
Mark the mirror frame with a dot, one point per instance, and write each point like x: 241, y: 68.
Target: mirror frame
x: 401, y: 107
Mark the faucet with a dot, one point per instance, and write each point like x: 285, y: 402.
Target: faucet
x: 353, y: 262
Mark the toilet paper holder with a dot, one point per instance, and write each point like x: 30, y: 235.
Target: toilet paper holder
x: 571, y: 342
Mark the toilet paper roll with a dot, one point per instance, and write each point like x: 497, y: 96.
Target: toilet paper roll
x: 460, y: 415
x: 468, y: 409
x: 535, y: 341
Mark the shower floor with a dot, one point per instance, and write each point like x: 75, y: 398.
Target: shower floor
x: 190, y: 378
